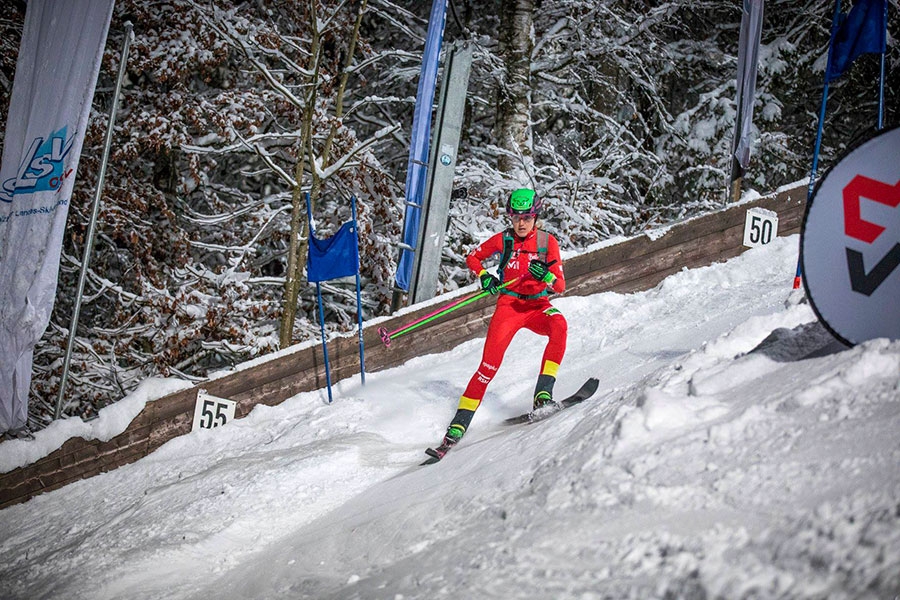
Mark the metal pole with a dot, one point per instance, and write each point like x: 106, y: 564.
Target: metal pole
x: 881, y: 95
x: 312, y: 234
x: 881, y: 81
x: 818, y: 145
x: 359, y: 319
x: 821, y: 127
x: 324, y: 342
x: 798, y: 277
x: 89, y: 242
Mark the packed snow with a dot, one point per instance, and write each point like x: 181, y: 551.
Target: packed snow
x: 733, y: 450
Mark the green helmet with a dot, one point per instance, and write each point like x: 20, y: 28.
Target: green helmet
x: 523, y: 202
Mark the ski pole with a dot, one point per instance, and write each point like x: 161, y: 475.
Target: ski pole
x: 387, y: 337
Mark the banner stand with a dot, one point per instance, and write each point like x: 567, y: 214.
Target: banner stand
x: 89, y: 241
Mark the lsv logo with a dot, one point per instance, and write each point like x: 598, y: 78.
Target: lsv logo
x: 43, y: 167
x: 866, y: 231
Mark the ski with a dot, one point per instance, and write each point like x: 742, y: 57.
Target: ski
x: 436, y: 454
x: 587, y: 389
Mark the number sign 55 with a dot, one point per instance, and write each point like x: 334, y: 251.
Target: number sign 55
x: 210, y: 411
x: 761, y: 227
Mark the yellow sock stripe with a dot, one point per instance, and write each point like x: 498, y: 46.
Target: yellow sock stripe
x: 550, y: 368
x: 468, y: 403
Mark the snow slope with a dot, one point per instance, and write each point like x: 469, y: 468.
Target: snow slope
x: 733, y: 450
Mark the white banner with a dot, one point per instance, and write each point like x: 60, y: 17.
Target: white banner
x: 59, y: 59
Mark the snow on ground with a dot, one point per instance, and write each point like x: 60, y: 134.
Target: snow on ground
x: 733, y: 450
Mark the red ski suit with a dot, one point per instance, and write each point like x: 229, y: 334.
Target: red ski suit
x: 524, y: 304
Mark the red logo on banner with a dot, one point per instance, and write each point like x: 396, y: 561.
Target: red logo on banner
x: 864, y: 187
x: 858, y: 228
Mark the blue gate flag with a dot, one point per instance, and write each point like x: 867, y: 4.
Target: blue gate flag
x: 334, y: 257
x: 337, y: 256
x: 862, y: 31
x: 421, y: 132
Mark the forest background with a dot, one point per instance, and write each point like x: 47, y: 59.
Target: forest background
x: 619, y: 112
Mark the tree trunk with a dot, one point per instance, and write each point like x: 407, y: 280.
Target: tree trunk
x: 513, y: 126
x: 299, y: 245
x: 299, y: 230
x: 296, y: 250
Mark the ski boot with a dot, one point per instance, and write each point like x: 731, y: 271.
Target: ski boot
x: 453, y: 435
x: 542, y: 399
x: 543, y: 405
x: 451, y: 438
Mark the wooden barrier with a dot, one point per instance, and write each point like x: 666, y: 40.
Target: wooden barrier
x: 638, y: 263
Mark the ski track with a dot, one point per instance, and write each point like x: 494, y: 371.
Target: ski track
x: 705, y: 466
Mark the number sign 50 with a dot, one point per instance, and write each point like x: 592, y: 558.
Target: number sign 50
x: 761, y: 227
x: 210, y: 411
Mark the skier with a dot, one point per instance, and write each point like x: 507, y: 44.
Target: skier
x: 530, y: 260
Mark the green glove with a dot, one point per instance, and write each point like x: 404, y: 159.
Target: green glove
x: 541, y: 271
x: 489, y: 283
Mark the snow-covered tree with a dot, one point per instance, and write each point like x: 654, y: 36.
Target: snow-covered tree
x: 623, y: 112
x: 190, y: 262
x: 513, y: 123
